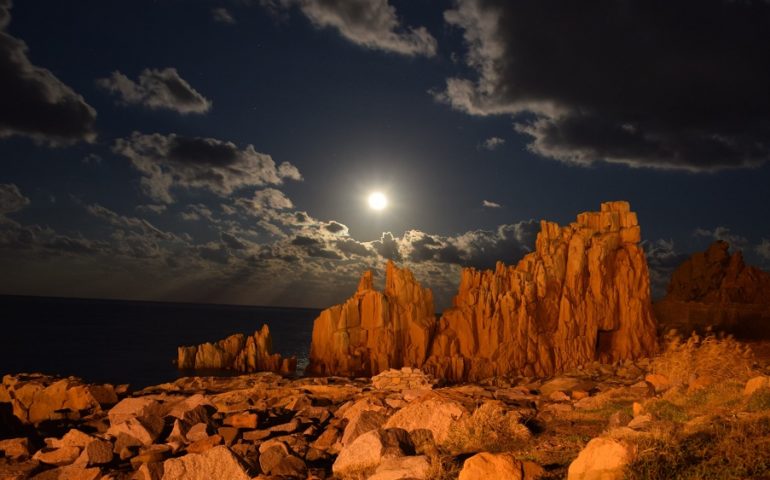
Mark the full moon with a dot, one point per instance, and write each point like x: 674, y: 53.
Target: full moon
x: 377, y: 201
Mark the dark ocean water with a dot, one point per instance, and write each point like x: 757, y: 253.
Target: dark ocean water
x: 131, y: 342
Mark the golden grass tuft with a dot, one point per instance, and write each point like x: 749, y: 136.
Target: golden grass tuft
x: 489, y: 429
x: 703, y: 360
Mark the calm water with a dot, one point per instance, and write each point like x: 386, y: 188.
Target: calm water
x: 130, y: 342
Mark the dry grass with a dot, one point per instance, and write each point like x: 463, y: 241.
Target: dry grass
x: 489, y: 429
x: 723, y: 448
x: 708, y: 359
x: 704, y: 425
x: 444, y: 468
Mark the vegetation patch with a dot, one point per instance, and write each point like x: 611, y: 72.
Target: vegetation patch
x: 724, y: 449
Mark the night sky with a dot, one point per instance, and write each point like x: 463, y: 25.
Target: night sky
x: 223, y: 151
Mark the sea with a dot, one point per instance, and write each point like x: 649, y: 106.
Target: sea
x: 119, y: 342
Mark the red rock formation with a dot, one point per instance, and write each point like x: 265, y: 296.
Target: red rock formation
x: 716, y: 289
x: 582, y: 295
x: 374, y: 331
x: 237, y: 352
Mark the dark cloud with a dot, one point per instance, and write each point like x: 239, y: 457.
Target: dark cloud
x: 387, y: 246
x: 157, y: 89
x: 33, y: 101
x: 335, y: 228
x: 222, y: 15
x: 231, y: 241
x: 350, y: 248
x: 172, y: 161
x: 304, y: 241
x: 672, y: 85
x: 11, y: 199
x: 369, y: 23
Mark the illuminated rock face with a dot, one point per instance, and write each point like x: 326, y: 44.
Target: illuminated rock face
x: 374, y: 331
x: 716, y: 289
x: 582, y: 295
x: 237, y: 352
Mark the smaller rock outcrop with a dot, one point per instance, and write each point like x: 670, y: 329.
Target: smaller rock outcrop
x: 237, y: 352
x: 717, y: 289
x: 374, y: 331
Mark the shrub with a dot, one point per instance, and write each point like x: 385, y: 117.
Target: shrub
x: 665, y: 410
x: 717, y: 359
x: 489, y: 429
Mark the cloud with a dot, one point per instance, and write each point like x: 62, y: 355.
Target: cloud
x: 763, y: 249
x: 722, y: 233
x: 222, y: 15
x: 33, y: 102
x: 11, y: 199
x: 371, y: 24
x: 156, y: 209
x: 171, y: 161
x: 157, y: 89
x: 492, y: 143
x: 489, y: 204
x: 662, y: 260
x: 645, y: 84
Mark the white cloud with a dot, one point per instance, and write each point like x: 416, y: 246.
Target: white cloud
x: 157, y: 89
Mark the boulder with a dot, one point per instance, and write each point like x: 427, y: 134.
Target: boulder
x: 70, y: 472
x: 57, y: 456
x: 366, y: 452
x: 15, y: 448
x: 756, y: 383
x: 241, y: 420
x: 374, y: 331
x: 218, y: 462
x: 492, y: 466
x: 361, y: 423
x: 432, y: 411
x: 238, y: 352
x: 716, y: 289
x: 601, y: 459
x: 35, y: 398
x: 403, y: 468
x: 271, y: 454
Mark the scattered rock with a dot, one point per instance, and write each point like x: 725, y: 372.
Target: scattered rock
x: 492, y: 466
x: 402, y: 468
x: 659, y: 382
x: 15, y: 448
x: 367, y: 451
x: 363, y: 422
x: 57, y: 456
x: 432, y: 412
x: 218, y: 462
x: 241, y: 420
x: 756, y: 383
x: 601, y: 459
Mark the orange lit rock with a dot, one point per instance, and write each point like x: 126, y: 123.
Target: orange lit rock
x: 237, y: 352
x: 374, y: 331
x: 582, y: 295
x: 716, y: 289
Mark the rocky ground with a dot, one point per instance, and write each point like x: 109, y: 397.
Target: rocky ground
x: 611, y: 420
